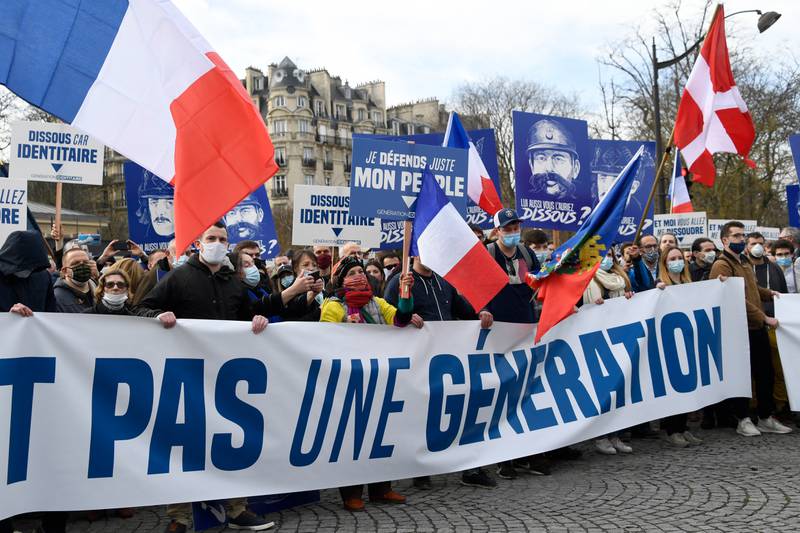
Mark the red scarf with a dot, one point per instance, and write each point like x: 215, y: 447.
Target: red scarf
x: 357, y: 291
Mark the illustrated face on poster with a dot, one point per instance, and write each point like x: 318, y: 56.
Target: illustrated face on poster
x: 793, y: 203
x: 155, y: 209
x: 243, y: 221
x: 553, y: 160
x: 608, y: 159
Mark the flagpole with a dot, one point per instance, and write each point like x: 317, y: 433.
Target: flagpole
x: 405, y: 292
x: 667, y: 148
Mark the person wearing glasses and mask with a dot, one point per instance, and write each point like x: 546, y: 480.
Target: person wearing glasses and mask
x: 74, y: 291
x: 113, y: 296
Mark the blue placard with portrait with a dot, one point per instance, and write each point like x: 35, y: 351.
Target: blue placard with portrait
x: 794, y: 144
x: 609, y: 157
x: 793, y: 204
x: 386, y: 177
x: 151, y: 218
x: 552, y: 171
x: 486, y: 145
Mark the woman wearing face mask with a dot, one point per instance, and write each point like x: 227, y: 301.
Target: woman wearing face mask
x: 353, y: 302
x: 610, y: 281
x: 305, y: 307
x: 113, y: 296
x: 376, y: 277
x: 673, y: 270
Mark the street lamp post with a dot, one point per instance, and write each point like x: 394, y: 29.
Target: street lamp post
x: 765, y: 20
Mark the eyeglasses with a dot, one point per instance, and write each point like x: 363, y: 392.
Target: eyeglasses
x: 649, y: 247
x: 115, y: 285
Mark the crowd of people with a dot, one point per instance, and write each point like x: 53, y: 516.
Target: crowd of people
x: 214, y: 280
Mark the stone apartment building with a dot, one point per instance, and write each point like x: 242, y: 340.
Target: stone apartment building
x: 311, y: 116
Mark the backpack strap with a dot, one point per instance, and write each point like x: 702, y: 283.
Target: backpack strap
x: 527, y: 256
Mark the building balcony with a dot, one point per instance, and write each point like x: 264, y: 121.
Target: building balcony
x: 310, y: 162
x: 327, y: 165
x: 303, y: 135
x: 343, y: 142
x: 279, y: 192
x: 281, y: 162
x: 326, y: 139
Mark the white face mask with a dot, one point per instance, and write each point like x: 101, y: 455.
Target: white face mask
x: 115, y: 301
x: 757, y: 251
x: 710, y: 257
x: 213, y: 253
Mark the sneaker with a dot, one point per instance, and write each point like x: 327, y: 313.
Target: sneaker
x: 677, y: 440
x: 691, y: 439
x: 771, y: 425
x: 175, y: 527
x: 389, y: 497
x: 605, y: 447
x: 354, y: 505
x: 249, y: 521
x: 746, y: 428
x: 620, y: 446
x: 478, y: 478
x: 539, y: 465
x: 423, y: 482
x: 506, y: 471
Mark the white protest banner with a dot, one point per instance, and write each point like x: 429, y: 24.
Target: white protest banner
x: 105, y: 411
x: 787, y: 311
x: 13, y: 207
x: 715, y: 227
x: 322, y: 217
x: 770, y: 234
x: 685, y: 226
x: 43, y: 151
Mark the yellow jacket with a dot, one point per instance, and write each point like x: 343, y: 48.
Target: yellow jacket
x: 333, y: 310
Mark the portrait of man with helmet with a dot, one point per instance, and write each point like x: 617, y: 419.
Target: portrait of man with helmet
x: 553, y: 160
x: 243, y: 221
x: 156, y: 206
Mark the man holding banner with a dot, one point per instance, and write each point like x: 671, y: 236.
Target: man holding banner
x: 733, y: 263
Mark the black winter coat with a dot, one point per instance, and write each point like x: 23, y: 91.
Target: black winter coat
x: 24, y: 252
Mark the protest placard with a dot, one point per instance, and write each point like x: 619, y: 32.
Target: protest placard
x: 486, y: 146
x: 609, y: 157
x: 386, y: 177
x: 685, y: 226
x: 151, y: 218
x: 552, y: 171
x: 13, y: 207
x: 793, y: 204
x: 769, y: 233
x: 44, y: 151
x: 202, y: 411
x: 321, y: 217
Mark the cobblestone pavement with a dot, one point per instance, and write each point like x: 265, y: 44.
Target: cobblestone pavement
x: 730, y: 483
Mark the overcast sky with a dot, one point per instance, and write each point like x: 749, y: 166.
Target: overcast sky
x: 424, y: 48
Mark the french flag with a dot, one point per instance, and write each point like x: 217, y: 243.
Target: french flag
x: 680, y: 202
x: 139, y: 77
x: 480, y: 187
x: 444, y: 243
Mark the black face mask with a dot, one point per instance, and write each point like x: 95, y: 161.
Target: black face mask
x: 81, y: 273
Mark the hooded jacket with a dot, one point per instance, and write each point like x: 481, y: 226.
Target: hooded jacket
x: 23, y: 273
x: 729, y: 265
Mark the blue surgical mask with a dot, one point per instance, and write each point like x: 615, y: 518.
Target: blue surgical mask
x: 511, y: 240
x: 542, y: 257
x: 286, y: 281
x: 252, y: 276
x: 784, y: 262
x: 606, y: 263
x: 736, y: 247
x: 676, y: 266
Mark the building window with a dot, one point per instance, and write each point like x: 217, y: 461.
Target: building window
x: 340, y: 113
x: 327, y: 180
x: 280, y: 155
x: 279, y: 186
x: 410, y: 129
x: 426, y: 129
x: 362, y: 115
x: 301, y: 101
x: 376, y: 117
x: 320, y: 107
x: 279, y: 127
x: 279, y: 101
x: 259, y: 83
x: 302, y: 126
x: 308, y: 153
x: 309, y: 179
x: 395, y: 128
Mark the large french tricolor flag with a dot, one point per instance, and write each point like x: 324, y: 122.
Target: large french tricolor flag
x: 138, y: 76
x: 480, y: 187
x: 444, y: 243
